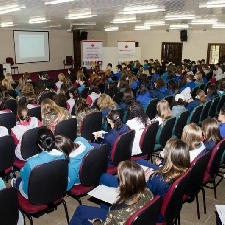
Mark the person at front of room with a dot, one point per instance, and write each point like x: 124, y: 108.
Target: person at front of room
x: 133, y: 195
x: 44, y: 79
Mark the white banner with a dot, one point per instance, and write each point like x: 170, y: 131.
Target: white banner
x: 92, y: 53
x: 126, y: 51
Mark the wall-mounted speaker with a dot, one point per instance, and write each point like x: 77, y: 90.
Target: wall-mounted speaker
x: 83, y: 35
x: 136, y: 44
x: 183, y: 35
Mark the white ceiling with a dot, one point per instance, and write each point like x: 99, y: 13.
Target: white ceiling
x: 106, y: 11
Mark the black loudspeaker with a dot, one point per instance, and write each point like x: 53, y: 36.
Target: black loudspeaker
x: 183, y: 35
x: 1, y: 70
x: 136, y: 44
x: 83, y: 35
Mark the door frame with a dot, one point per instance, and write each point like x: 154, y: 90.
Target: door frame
x: 171, y: 43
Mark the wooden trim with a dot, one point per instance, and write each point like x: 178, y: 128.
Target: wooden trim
x: 77, y: 49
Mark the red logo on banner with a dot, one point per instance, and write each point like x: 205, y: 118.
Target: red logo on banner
x: 126, y: 46
x: 92, y: 45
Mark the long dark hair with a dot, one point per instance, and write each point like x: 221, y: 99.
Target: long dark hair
x: 136, y: 110
x: 46, y: 139
x: 132, y: 181
x: 128, y: 96
x: 114, y: 115
x: 22, y: 113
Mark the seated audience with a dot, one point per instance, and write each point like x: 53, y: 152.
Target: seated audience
x: 81, y: 109
x: 192, y: 135
x: 44, y: 79
x: 60, y: 100
x: 190, y: 81
x: 221, y: 118
x: 133, y: 195
x: 211, y: 92
x: 25, y: 123
x: 52, y: 114
x: 3, y: 107
x: 179, y: 105
x: 211, y: 133
x: 72, y: 75
x: 73, y: 95
x: 198, y: 79
x: 201, y: 96
x: 23, y: 80
x: 93, y: 95
x: 48, y: 153
x: 59, y: 83
x: 137, y: 121
x: 9, y: 83
x: 160, y: 90
x: 75, y: 152
x: 143, y: 95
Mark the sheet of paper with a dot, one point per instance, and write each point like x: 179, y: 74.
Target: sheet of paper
x: 221, y: 212
x: 104, y: 193
x: 146, y: 169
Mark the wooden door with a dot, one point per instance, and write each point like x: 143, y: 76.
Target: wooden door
x: 172, y: 51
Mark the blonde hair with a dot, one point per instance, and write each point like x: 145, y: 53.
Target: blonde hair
x: 163, y: 110
x: 198, y: 77
x: 80, y: 74
x: 105, y: 101
x: 27, y: 89
x: 192, y: 135
x: 47, y: 105
x: 61, y: 76
x: 8, y: 81
x: 200, y: 94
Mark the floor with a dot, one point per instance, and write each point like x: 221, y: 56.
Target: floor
x: 188, y: 213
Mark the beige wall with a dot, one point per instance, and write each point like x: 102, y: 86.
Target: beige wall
x: 150, y: 41
x: 61, y: 45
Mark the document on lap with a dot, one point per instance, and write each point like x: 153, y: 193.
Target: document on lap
x: 104, y: 193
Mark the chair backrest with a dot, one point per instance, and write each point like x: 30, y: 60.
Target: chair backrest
x: 67, y: 128
x: 9, y: 209
x: 9, y: 60
x: 167, y: 130
x: 181, y: 121
x: 101, y: 88
x: 193, y: 93
x: 169, y: 99
x: 22, y: 101
x: 221, y: 103
x: 216, y: 155
x: 198, y: 168
x: 205, y: 110
x: 12, y: 93
x: 151, y: 108
x: 195, y: 115
x: 8, y: 120
x: 148, y: 214
x: 12, y: 105
x: 202, y: 87
x: 35, y: 112
x: 7, y: 152
x: 91, y: 123
x: 29, y: 145
x: 122, y: 147
x: 147, y: 141
x: 206, y: 86
x: 173, y: 200
x: 213, y: 108
x: 84, y: 93
x: 93, y: 165
x: 45, y: 95
x: 69, y: 59
x: 48, y: 182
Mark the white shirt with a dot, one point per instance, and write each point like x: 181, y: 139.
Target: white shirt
x: 3, y: 131
x: 194, y: 153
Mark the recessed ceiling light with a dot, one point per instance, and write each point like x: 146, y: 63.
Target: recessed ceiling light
x: 57, y: 2
x: 142, y: 9
x: 212, y: 4
x: 76, y: 17
x: 7, y: 24
x: 111, y: 28
x: 179, y: 17
x: 38, y: 20
x: 203, y: 21
x: 84, y: 24
x: 179, y: 26
x: 155, y: 23
x: 11, y: 8
x: 142, y: 27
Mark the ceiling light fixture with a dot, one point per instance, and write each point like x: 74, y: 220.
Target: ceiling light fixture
x: 57, y: 2
x: 218, y: 25
x: 155, y: 23
x: 11, y: 8
x: 108, y: 28
x: 52, y: 26
x: 142, y: 9
x: 84, y: 24
x: 179, y: 26
x: 142, y: 27
x: 203, y: 21
x: 179, y: 17
x: 38, y: 20
x: 212, y: 4
x: 7, y: 24
x: 76, y: 17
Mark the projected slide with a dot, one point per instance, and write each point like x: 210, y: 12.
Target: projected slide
x: 31, y: 46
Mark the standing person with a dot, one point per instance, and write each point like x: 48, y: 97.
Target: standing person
x: 52, y: 114
x: 133, y: 195
x: 25, y: 123
x: 48, y: 153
